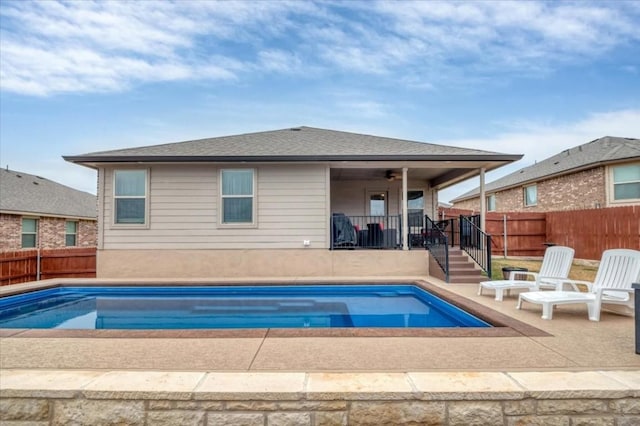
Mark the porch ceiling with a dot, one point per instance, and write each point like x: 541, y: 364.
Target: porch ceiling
x: 439, y: 175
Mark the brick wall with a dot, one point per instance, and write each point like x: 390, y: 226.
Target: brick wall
x: 51, y: 232
x: 87, y: 233
x: 581, y: 190
x: 10, y: 232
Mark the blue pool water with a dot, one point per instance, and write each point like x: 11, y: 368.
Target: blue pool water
x: 231, y: 307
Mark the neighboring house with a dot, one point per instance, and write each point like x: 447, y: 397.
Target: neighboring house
x: 602, y: 173
x: 38, y: 213
x: 272, y: 204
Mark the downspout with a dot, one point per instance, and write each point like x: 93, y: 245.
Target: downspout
x: 405, y: 211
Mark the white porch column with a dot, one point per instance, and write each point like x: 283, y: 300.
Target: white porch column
x: 405, y: 211
x: 483, y: 202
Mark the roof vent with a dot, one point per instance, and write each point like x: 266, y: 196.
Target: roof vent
x: 35, y: 183
x: 19, y: 176
x: 295, y: 129
x: 557, y: 162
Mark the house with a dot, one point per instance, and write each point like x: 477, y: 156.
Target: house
x: 37, y: 212
x: 602, y: 173
x: 298, y: 202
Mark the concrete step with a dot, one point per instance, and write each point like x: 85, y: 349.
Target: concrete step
x: 466, y: 279
x: 462, y: 269
x: 463, y: 272
x: 461, y: 265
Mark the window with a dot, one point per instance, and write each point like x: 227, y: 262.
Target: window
x: 626, y: 182
x: 415, y: 203
x: 29, y: 233
x: 237, y: 196
x: 530, y: 195
x: 130, y: 196
x: 377, y: 203
x: 70, y: 233
x: 491, y: 203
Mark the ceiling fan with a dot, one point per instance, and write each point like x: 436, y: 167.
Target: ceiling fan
x: 390, y: 175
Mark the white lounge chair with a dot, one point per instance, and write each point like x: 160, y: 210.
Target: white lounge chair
x: 618, y: 269
x: 556, y: 264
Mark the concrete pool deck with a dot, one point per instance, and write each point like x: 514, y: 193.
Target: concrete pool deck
x: 565, y: 371
x: 572, y: 343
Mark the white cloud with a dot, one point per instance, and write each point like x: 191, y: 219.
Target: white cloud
x: 538, y: 141
x: 86, y: 46
x: 279, y: 61
x: 52, y: 47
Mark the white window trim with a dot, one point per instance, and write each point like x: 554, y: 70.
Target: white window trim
x: 36, y: 233
x: 524, y: 195
x: 66, y: 233
x: 489, y: 209
x: 116, y: 225
x: 254, y: 201
x: 612, y: 184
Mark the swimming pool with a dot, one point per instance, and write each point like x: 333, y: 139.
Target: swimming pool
x: 232, y: 307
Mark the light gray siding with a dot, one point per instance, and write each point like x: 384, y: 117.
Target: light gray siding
x: 350, y: 196
x: 183, y: 210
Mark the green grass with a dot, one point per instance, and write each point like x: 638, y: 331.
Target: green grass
x: 578, y: 272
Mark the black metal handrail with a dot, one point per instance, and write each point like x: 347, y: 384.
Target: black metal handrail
x: 475, y: 243
x: 448, y: 226
x: 436, y: 241
x: 369, y: 232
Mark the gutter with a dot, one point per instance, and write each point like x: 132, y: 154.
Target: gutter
x: 282, y: 158
x: 54, y: 215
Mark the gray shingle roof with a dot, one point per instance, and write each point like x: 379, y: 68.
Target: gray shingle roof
x: 25, y: 193
x: 600, y: 151
x: 295, y: 144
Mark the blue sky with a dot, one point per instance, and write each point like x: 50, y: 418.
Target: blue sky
x: 523, y: 77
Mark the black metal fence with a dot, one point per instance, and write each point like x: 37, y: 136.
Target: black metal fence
x: 365, y: 232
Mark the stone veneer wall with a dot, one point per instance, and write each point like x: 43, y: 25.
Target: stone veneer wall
x: 51, y: 232
x: 581, y: 190
x: 314, y: 399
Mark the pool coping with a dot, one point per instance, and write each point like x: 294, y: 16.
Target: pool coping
x: 265, y: 386
x: 200, y: 397
x: 503, y: 325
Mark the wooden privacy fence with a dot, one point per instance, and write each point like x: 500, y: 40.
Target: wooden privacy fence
x: 589, y: 232
x: 25, y: 265
x: 526, y: 233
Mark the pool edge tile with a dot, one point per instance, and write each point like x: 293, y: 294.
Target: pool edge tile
x: 144, y: 385
x: 45, y: 383
x: 268, y: 386
x: 468, y: 385
x: 570, y: 384
x: 360, y: 386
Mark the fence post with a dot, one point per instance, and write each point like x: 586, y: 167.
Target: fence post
x: 38, y: 265
x: 489, y: 255
x: 504, y: 228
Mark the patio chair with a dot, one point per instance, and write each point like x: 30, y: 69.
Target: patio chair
x: 618, y: 269
x: 556, y: 264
